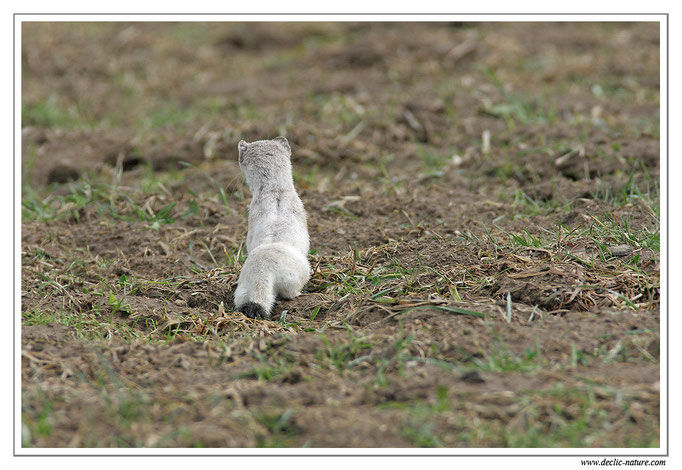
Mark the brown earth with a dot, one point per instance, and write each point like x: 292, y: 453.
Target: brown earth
x: 403, y: 336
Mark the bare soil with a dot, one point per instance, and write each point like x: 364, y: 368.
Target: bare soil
x: 466, y: 186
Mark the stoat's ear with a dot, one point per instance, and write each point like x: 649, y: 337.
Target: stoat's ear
x: 284, y: 142
x: 242, y: 146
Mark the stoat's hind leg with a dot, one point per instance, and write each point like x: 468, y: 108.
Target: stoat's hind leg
x: 290, y: 281
x: 289, y: 294
x: 253, y: 310
x: 255, y: 292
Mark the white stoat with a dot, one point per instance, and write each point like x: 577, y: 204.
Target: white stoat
x: 277, y: 241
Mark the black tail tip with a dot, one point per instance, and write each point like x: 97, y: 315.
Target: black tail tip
x: 253, y: 310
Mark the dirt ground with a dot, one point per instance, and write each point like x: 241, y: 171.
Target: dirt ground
x: 483, y: 206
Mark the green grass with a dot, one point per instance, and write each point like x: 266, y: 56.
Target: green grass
x: 605, y: 230
x: 165, y: 115
x: 340, y: 356
x: 108, y: 201
x: 431, y: 158
x: 418, y: 431
x: 38, y: 422
x: 526, y: 207
x: 517, y: 109
x: 105, y: 315
x: 270, y: 367
x: 570, y: 418
x: 501, y: 359
x: 639, y: 188
x: 418, y: 426
x: 124, y: 404
x: 87, y: 326
x: 218, y: 187
x: 53, y: 114
x: 337, y: 108
x: 609, y: 230
x: 281, y: 427
x: 555, y: 418
x: 527, y: 240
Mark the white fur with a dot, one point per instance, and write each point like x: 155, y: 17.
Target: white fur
x: 277, y: 241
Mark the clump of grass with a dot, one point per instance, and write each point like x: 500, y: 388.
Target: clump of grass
x: 501, y: 359
x: 52, y: 114
x: 526, y: 206
x: 516, y: 108
x: 89, y: 326
x: 525, y: 239
x: 164, y: 115
x: 108, y: 201
x: 38, y: 422
x: 281, y: 427
x: 569, y: 418
x: 609, y: 230
x: 340, y: 356
x: 419, y: 432
x: 270, y: 367
x: 419, y: 427
x: 430, y: 158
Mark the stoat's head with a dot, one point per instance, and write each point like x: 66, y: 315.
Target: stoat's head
x: 265, y: 162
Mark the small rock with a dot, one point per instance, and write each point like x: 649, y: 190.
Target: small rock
x: 473, y: 376
x: 620, y: 250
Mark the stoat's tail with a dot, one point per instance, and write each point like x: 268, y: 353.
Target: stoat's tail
x: 270, y: 270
